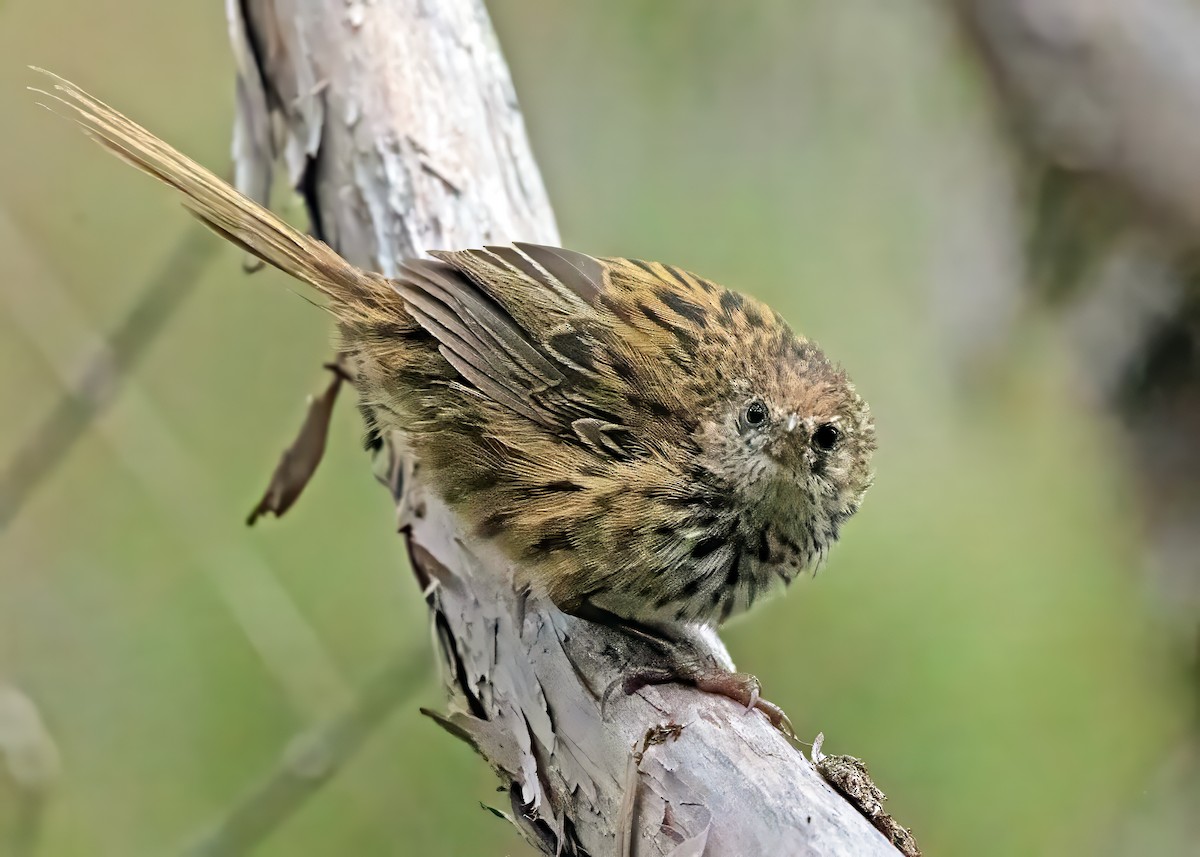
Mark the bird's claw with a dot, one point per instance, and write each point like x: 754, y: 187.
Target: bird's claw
x: 742, y: 688
x: 747, y: 690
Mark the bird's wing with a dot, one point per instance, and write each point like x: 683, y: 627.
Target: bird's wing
x: 599, y: 350
x: 519, y: 335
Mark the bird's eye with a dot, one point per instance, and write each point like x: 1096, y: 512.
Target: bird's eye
x: 756, y: 414
x: 826, y: 436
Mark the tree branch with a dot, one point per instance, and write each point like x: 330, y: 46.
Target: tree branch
x: 308, y: 762
x: 104, y: 373
x: 1104, y: 97
x: 1103, y: 87
x: 401, y: 131
x: 188, y: 502
x: 29, y: 768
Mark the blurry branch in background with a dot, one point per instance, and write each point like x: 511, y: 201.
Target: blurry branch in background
x: 1104, y: 89
x: 1103, y: 99
x: 97, y: 386
x: 29, y: 768
x: 290, y: 650
x: 401, y: 130
x: 315, y: 754
x: 183, y: 496
x: 311, y: 759
x: 1104, y: 102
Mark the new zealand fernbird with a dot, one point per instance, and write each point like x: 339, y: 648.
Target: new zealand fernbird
x: 652, y: 450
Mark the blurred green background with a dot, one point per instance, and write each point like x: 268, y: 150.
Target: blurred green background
x: 980, y: 638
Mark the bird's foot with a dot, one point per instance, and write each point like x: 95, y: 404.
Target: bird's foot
x: 742, y: 688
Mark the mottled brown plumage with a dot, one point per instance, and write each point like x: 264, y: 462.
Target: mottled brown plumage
x: 603, y: 432
x: 645, y: 444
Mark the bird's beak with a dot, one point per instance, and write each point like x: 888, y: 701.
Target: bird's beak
x: 792, y: 422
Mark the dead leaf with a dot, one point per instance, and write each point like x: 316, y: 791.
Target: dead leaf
x: 299, y: 461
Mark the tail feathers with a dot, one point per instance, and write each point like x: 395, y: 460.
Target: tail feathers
x: 355, y: 294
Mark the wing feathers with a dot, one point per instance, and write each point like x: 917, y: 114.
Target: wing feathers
x: 518, y: 261
x: 479, y: 339
x: 479, y: 320
x: 581, y: 274
x: 526, y: 326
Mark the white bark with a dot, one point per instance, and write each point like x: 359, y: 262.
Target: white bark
x: 400, y: 127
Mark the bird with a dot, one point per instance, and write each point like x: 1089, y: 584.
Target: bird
x: 650, y: 449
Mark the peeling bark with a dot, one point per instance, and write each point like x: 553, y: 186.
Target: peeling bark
x: 399, y: 126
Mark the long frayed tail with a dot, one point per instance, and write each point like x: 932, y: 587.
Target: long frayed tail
x: 353, y: 293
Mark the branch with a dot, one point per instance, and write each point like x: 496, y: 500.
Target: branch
x: 29, y: 768
x: 105, y: 371
x: 309, y: 761
x: 401, y: 131
x: 187, y: 501
x: 1105, y: 88
x: 292, y: 653
x: 1104, y: 97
